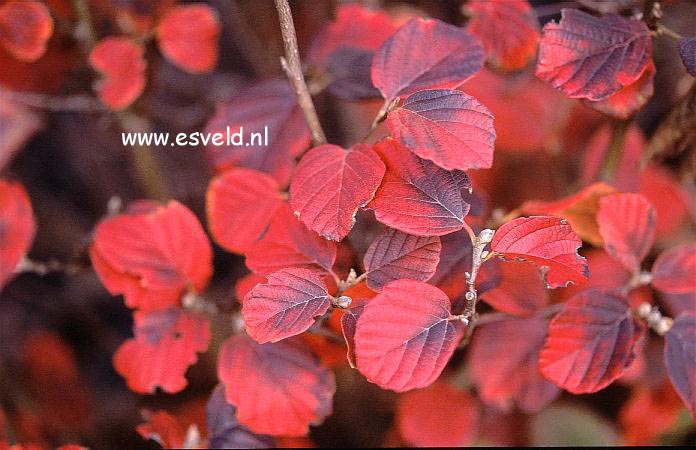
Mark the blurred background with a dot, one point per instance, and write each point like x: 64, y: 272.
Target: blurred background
x: 58, y: 332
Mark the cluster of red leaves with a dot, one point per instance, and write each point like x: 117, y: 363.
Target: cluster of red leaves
x: 187, y: 36
x: 141, y: 255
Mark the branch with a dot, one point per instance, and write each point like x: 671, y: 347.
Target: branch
x: 293, y: 68
x: 675, y: 138
x: 478, y: 256
x: 75, y: 103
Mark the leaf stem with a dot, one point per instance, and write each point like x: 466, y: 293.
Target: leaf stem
x: 613, y: 157
x: 293, y: 68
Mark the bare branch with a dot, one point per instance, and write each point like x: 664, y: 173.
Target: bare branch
x: 293, y: 68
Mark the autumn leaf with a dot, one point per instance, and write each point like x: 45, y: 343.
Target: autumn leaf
x: 164, y: 346
x: 241, y: 204
x: 25, y: 28
x: 404, y: 336
x: 17, y: 227
x: 395, y: 255
x: 408, y: 61
x: 509, y: 31
x: 593, y: 57
x: 330, y: 184
x: 286, y: 305
x: 278, y: 389
x: 417, y: 196
x: 448, y: 127
x: 590, y: 342
x: 187, y: 36
x: 549, y: 242
x: 121, y: 62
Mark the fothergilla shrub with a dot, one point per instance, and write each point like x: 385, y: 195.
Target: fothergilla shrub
x: 452, y: 226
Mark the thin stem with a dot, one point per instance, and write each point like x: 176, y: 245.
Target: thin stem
x: 293, y: 68
x: 146, y: 165
x: 84, y: 32
x: 478, y: 256
x: 27, y: 265
x: 387, y: 106
x: 663, y: 29
x: 76, y: 103
x: 615, y: 151
x: 499, y: 316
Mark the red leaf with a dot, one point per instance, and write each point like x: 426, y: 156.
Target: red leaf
x: 674, y: 271
x: 345, y: 48
x: 448, y: 127
x: 671, y: 201
x: 404, y: 337
x: 548, y: 242
x: 271, y: 104
x: 506, y: 373
x: 240, y: 205
x: 286, y: 305
x: 349, y: 323
x: 509, y: 31
x: 246, y: 283
x: 649, y: 413
x: 17, y: 227
x: 416, y: 196
x: 163, y: 428
x: 425, y: 53
x: 687, y: 51
x: 151, y: 254
x: 165, y: 345
x: 121, y: 62
x: 579, y: 209
x: 288, y: 243
x: 278, y: 389
x: 439, y: 416
x: 356, y: 27
x: 521, y: 290
x: 630, y: 99
x: 627, y: 225
x: 633, y: 145
x: 395, y: 255
x: 330, y: 184
x: 591, y: 342
x: 25, y: 28
x: 529, y: 114
x: 188, y: 35
x: 593, y: 57
x: 680, y: 359
x: 224, y: 428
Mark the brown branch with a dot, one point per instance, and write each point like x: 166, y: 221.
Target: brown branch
x: 293, y: 68
x: 675, y: 138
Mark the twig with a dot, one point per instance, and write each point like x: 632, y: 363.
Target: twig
x: 613, y: 157
x: 499, y: 316
x: 144, y: 159
x: 293, y: 68
x: 676, y: 135
x: 84, y: 32
x: 27, y: 265
x: 478, y: 256
x: 75, y: 103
